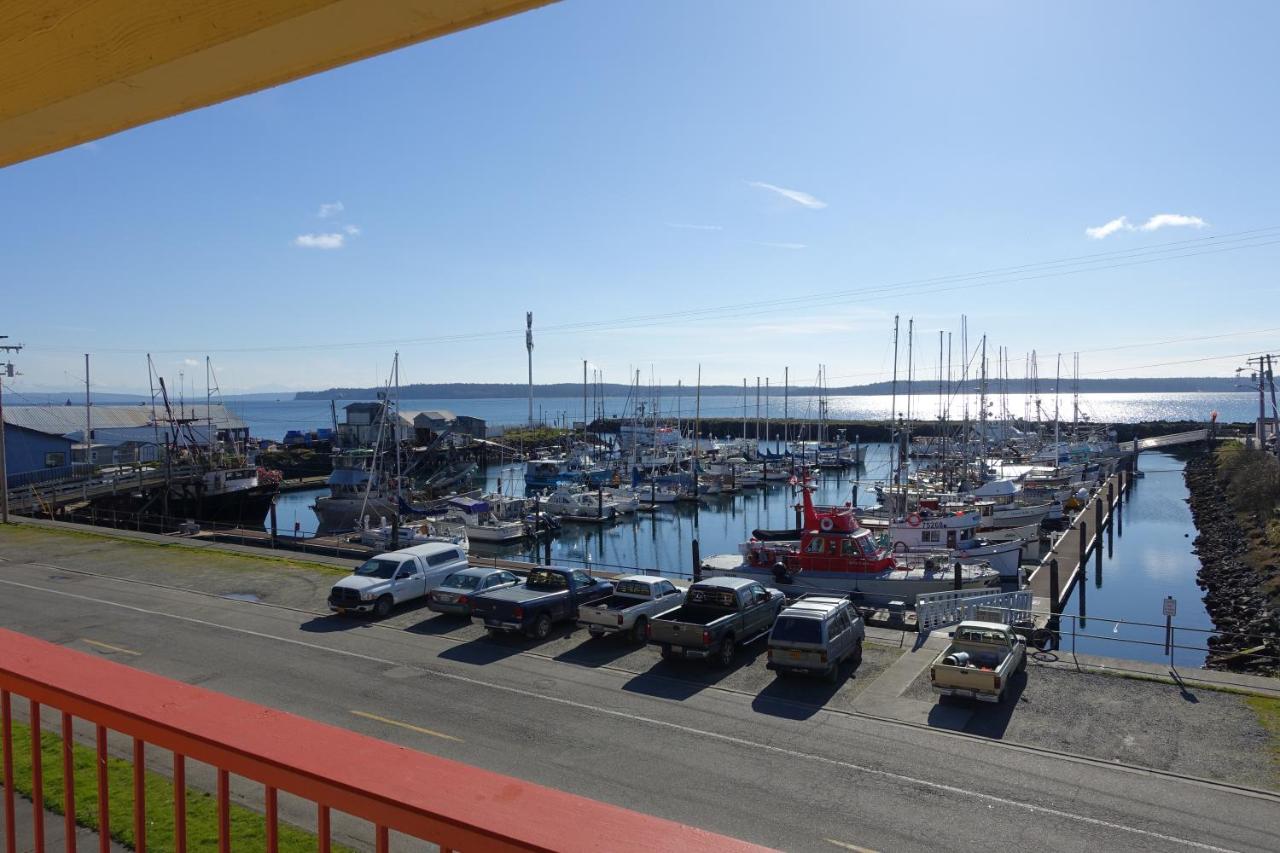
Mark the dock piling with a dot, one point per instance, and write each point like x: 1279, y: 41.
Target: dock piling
x: 1097, y: 536
x: 546, y: 550
x: 273, y: 523
x: 958, y: 579
x: 697, y: 561
x: 1055, y: 601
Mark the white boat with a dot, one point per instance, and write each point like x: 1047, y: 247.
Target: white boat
x: 493, y: 518
x: 415, y: 533
x: 356, y: 492
x: 954, y: 535
x: 575, y: 505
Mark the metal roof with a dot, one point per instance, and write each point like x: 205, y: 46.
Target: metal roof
x: 63, y: 420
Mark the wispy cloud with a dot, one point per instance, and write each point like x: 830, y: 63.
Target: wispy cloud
x: 353, y: 230
x: 330, y: 208
x: 189, y: 362
x: 320, y: 241
x: 785, y: 245
x: 801, y: 198
x: 1155, y: 223
x: 1100, y: 232
x: 1168, y: 220
x: 688, y: 226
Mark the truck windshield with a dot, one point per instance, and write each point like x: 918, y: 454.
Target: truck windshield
x: 789, y: 629
x: 547, y: 580
x: 377, y: 568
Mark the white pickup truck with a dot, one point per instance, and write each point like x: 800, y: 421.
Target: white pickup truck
x: 635, y: 599
x: 384, y: 581
x: 980, y: 663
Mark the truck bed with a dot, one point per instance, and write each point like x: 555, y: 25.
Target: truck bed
x: 616, y: 602
x: 692, y: 614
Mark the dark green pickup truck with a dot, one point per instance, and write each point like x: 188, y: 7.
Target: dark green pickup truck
x: 717, y: 616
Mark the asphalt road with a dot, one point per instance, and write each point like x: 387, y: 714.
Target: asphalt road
x: 667, y: 741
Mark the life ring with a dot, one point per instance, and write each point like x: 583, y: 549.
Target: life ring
x: 827, y: 524
x: 900, y: 547
x: 914, y: 519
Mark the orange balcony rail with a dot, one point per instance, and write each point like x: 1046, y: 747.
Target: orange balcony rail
x: 454, y: 805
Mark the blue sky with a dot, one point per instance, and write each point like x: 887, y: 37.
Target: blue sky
x: 779, y: 162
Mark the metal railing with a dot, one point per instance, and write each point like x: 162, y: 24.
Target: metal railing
x: 938, y: 609
x: 1260, y: 649
x: 432, y: 799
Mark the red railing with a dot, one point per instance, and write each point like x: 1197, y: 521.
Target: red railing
x: 454, y: 805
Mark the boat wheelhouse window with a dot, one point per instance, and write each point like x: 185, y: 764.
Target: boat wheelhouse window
x: 814, y: 546
x: 868, y: 547
x: 789, y: 629
x: 930, y: 536
x: 849, y: 548
x: 377, y: 568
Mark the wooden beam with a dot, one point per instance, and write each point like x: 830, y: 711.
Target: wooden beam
x: 72, y: 71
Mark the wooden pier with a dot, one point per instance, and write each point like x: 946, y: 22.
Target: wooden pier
x: 1071, y: 550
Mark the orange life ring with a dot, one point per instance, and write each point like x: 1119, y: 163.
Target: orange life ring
x: 914, y: 519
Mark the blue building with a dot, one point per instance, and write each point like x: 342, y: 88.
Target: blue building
x: 33, y: 456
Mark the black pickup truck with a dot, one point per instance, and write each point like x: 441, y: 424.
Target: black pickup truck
x: 717, y: 615
x: 547, y: 596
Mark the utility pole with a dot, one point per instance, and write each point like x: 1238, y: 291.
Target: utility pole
x: 528, y: 344
x: 1262, y: 377
x: 6, y: 372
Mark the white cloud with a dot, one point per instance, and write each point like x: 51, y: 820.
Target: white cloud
x: 1155, y: 223
x: 331, y: 208
x: 1101, y: 232
x: 320, y: 241
x: 797, y: 196
x: 1167, y: 220
x: 189, y: 362
x: 353, y: 230
x: 691, y: 227
x: 785, y: 245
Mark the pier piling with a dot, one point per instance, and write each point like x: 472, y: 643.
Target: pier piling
x: 1097, y: 537
x: 1055, y: 601
x: 958, y: 579
x: 546, y: 550
x: 273, y: 523
x: 697, y: 561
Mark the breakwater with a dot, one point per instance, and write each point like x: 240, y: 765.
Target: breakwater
x: 1235, y: 584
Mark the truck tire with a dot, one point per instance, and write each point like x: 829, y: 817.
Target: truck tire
x: 638, y: 629
x: 725, y: 653
x: 596, y: 633
x: 833, y: 673
x: 382, y: 607
x: 494, y: 633
x: 542, y: 627
x: 669, y: 653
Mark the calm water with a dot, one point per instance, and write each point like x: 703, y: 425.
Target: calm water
x: 1151, y: 560
x: 273, y: 419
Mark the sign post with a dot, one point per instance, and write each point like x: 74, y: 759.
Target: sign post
x: 1170, y: 611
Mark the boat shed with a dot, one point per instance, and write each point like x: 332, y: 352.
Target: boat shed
x: 42, y: 442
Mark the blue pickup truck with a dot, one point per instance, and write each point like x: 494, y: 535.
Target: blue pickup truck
x: 547, y: 596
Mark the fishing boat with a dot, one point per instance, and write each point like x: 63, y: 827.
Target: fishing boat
x: 421, y: 532
x: 356, y: 491
x: 836, y: 553
x: 492, y: 518
x: 579, y: 505
x: 955, y: 534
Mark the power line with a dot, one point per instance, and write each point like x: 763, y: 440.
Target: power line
x: 1096, y: 262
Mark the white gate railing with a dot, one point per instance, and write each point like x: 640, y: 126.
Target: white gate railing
x: 937, y: 609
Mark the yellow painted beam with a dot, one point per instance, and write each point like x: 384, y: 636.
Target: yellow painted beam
x: 76, y: 70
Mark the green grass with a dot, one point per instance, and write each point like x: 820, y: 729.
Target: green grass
x: 31, y: 532
x: 1268, y: 711
x: 248, y: 828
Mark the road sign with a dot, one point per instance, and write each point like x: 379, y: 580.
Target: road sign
x: 1170, y: 606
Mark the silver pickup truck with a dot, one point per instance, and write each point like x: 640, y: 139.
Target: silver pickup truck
x: 635, y: 600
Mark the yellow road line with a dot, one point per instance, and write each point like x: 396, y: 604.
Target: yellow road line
x: 408, y: 726
x: 111, y: 648
x: 847, y: 846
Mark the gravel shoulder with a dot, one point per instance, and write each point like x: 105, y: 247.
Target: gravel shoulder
x: 1199, y: 732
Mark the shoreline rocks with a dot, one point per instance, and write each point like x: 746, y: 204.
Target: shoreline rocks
x: 1234, y: 596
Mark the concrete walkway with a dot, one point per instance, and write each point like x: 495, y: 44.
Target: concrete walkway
x: 55, y: 838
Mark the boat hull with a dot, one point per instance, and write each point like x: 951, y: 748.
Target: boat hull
x: 894, y: 585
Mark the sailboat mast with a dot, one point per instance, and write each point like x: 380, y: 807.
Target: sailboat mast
x: 893, y: 406
x: 982, y: 412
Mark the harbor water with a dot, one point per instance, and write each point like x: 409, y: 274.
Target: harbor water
x: 1123, y: 603
x: 272, y: 419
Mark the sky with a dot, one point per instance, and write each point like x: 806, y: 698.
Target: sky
x: 740, y: 186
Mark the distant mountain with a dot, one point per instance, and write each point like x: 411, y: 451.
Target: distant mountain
x: 501, y: 390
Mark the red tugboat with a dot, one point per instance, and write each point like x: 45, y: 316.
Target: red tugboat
x: 836, y: 553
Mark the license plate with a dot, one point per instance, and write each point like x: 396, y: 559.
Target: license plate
x: 795, y: 655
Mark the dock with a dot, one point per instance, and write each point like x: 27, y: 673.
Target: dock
x: 1071, y: 550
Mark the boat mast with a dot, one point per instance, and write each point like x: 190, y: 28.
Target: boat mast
x: 584, y: 401
x: 786, y: 415
x: 766, y: 412
x: 1057, y: 421
x: 697, y: 432
x: 893, y: 406
x: 395, y: 425
x: 982, y: 413
x: 1075, y: 398
x: 906, y: 441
